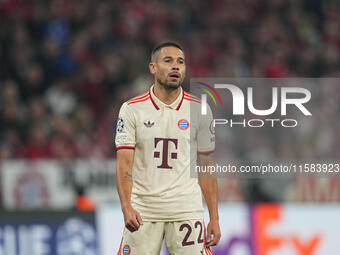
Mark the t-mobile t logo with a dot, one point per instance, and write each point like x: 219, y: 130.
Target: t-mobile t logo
x: 165, y: 151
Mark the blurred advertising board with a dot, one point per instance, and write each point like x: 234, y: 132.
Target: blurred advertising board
x: 48, y: 233
x: 262, y: 229
x: 51, y: 184
x: 296, y: 229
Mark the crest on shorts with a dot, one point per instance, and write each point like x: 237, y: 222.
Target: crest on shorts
x: 120, y: 125
x: 126, y: 250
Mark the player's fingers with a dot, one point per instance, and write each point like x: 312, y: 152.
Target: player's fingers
x: 133, y: 223
x: 208, y: 238
x: 215, y: 240
x: 218, y: 237
x: 130, y: 228
x: 139, y: 219
x: 211, y: 243
x: 208, y: 244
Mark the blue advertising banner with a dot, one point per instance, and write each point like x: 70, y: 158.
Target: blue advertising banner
x: 48, y: 233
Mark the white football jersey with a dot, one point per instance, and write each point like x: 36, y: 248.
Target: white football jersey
x: 166, y: 140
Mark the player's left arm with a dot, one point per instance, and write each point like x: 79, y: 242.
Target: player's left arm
x: 209, y: 189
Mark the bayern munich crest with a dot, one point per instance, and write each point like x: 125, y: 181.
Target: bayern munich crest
x: 126, y: 250
x: 183, y: 124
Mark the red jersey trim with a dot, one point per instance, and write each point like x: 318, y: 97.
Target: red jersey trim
x: 125, y: 147
x: 153, y: 102
x: 187, y: 94
x: 138, y: 97
x: 139, y: 100
x: 157, y: 107
x: 120, y: 246
x: 180, y: 103
x: 206, y: 152
x: 208, y: 251
x: 193, y: 100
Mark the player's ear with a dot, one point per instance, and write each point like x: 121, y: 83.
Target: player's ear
x: 152, y: 68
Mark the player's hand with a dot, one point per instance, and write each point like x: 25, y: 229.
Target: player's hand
x: 213, y: 233
x: 132, y: 219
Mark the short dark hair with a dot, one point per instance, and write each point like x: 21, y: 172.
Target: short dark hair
x: 158, y: 47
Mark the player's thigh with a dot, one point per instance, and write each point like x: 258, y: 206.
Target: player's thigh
x: 146, y: 240
x: 185, y: 237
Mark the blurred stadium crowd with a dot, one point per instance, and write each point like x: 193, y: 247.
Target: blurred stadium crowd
x: 66, y: 66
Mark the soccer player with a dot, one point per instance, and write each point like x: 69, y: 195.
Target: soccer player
x: 155, y: 148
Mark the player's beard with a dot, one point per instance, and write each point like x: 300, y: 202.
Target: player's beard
x: 169, y: 86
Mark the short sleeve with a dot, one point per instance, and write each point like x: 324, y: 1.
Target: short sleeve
x: 206, y: 133
x: 125, y: 129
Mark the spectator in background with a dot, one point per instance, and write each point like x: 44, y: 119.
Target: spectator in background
x: 60, y: 98
x: 63, y: 144
x: 11, y: 119
x: 6, y: 151
x: 37, y: 145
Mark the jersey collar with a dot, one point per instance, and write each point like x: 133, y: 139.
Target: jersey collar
x: 158, y: 103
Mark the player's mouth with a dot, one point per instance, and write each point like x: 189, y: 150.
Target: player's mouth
x: 174, y: 75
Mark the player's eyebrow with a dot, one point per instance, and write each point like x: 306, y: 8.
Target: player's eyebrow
x: 169, y: 57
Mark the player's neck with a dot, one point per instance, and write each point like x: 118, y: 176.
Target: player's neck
x: 166, y: 96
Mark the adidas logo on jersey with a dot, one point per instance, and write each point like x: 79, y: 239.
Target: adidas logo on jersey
x: 149, y: 123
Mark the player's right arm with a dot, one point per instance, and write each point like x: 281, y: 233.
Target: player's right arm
x: 132, y: 218
x: 125, y: 144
